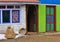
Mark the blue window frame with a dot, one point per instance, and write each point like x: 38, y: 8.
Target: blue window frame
x: 9, y: 16
x: 0, y: 16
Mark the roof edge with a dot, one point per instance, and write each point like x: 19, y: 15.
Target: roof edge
x: 19, y: 3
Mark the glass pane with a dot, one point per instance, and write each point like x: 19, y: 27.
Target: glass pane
x: 35, y: 19
x: 34, y: 27
x: 15, y: 16
x: 48, y: 27
x: 52, y: 27
x: 52, y: 10
x: 2, y: 7
x: 17, y: 6
x: 52, y: 19
x: 10, y: 6
x: 48, y: 16
x: 6, y: 16
x: 47, y: 10
x: 48, y: 19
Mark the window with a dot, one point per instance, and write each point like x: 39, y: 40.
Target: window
x: 6, y: 16
x: 9, y: 14
x: 50, y: 18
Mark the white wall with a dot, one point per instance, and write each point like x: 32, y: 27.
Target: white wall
x: 16, y: 27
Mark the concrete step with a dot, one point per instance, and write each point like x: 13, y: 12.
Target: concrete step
x: 50, y: 33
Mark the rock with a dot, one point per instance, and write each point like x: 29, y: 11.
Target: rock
x: 10, y: 33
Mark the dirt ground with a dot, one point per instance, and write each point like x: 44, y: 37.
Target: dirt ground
x: 35, y: 38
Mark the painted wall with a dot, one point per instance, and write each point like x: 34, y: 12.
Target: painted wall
x: 16, y: 27
x: 42, y: 18
x: 58, y: 18
x: 49, y: 1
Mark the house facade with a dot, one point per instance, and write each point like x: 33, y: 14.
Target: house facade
x: 33, y: 15
x: 18, y: 14
x: 49, y: 16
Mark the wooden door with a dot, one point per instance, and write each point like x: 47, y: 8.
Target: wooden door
x: 50, y: 19
x: 31, y: 18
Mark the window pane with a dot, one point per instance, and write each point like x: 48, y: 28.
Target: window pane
x: 52, y: 19
x: 34, y: 27
x: 6, y: 16
x: 48, y: 27
x: 47, y: 10
x: 52, y: 10
x: 10, y: 6
x: 48, y: 19
x: 17, y: 6
x: 52, y: 27
x: 2, y: 7
x: 15, y: 16
x: 48, y: 16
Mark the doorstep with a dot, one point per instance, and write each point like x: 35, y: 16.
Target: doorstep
x: 50, y: 33
x: 45, y: 33
x: 32, y: 33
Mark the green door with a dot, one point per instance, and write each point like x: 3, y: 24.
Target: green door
x: 50, y: 18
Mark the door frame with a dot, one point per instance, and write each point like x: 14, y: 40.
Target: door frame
x: 36, y: 17
x: 54, y: 15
